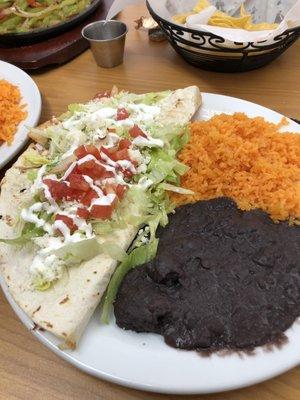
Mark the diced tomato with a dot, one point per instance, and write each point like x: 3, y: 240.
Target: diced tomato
x: 116, y: 155
x: 74, y: 194
x: 120, y: 191
x: 94, y: 170
x: 76, y: 170
x: 109, y: 189
x: 122, y: 155
x: 88, y: 197
x: 67, y: 221
x: 101, y: 212
x: 124, y: 144
x: 58, y: 190
x: 85, y: 150
x: 107, y: 174
x: 80, y: 152
x: 78, y: 182
x: 101, y: 95
x: 122, y: 114
x: 2, y: 14
x: 108, y: 152
x: 87, y: 165
x: 127, y: 173
x: 91, y: 149
x: 136, y: 131
x: 83, y: 213
x: 111, y: 153
x: 33, y: 3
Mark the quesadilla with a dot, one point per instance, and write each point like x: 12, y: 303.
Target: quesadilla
x: 74, y: 201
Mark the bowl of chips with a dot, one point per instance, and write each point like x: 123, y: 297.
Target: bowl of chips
x: 228, y: 36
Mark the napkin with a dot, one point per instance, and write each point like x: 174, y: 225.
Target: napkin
x: 119, y: 5
x: 284, y: 12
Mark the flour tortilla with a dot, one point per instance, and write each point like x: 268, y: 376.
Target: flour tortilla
x: 66, y: 308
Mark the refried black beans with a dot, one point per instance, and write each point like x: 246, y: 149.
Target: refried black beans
x: 222, y: 279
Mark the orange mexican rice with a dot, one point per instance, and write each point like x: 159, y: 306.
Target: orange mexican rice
x: 247, y: 159
x: 11, y: 111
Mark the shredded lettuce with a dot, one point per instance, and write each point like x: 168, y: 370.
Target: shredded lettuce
x: 164, y: 166
x: 114, y: 251
x: 32, y: 175
x: 76, y: 107
x: 33, y: 158
x: 179, y: 141
x: 103, y: 227
x: 161, y: 205
x: 148, y: 98
x: 122, y: 131
x: 60, y: 139
x: 153, y: 97
x: 41, y: 285
x: 135, y: 204
x: 75, y: 253
x: 175, y: 137
x: 136, y: 257
x: 29, y: 232
x: 175, y: 189
x: 131, y: 211
x: 72, y: 109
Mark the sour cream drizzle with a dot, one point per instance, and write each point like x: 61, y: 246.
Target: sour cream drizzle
x: 30, y: 216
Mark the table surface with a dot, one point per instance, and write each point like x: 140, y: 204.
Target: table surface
x: 27, y: 369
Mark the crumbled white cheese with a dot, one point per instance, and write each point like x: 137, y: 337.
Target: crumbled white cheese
x: 47, y: 267
x: 127, y: 165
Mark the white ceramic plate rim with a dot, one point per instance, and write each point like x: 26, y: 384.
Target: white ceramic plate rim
x: 30, y: 96
x: 143, y: 361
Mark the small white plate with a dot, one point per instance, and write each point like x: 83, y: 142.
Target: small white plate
x: 144, y: 361
x: 30, y: 96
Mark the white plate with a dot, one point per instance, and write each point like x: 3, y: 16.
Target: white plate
x: 30, y: 96
x: 144, y: 361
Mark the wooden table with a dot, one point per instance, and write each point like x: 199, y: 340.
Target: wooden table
x: 29, y: 371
